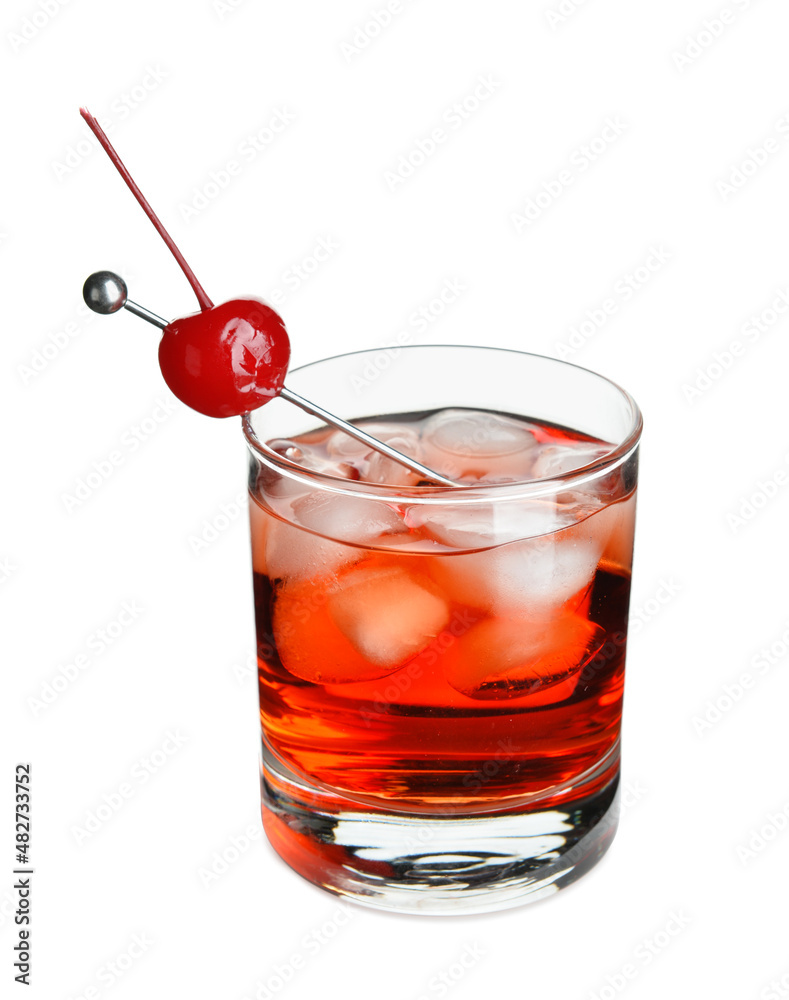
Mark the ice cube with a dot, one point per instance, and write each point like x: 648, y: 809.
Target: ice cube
x: 308, y: 642
x: 556, y: 459
x: 278, y: 484
x: 291, y: 553
x: 346, y: 518
x: 387, y: 613
x: 295, y: 553
x: 515, y: 658
x: 373, y: 466
x: 344, y: 448
x: 471, y: 444
x: 531, y: 577
x: 482, y: 525
x: 382, y: 469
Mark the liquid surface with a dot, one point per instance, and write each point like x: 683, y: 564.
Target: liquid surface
x: 443, y: 656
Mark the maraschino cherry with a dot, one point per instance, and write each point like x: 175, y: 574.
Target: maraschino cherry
x: 227, y: 360
x: 224, y: 360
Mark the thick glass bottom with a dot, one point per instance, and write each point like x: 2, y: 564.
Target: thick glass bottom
x: 434, y: 864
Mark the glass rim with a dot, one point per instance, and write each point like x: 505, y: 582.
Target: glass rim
x: 473, y: 492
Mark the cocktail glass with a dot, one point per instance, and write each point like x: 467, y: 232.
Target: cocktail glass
x: 442, y: 669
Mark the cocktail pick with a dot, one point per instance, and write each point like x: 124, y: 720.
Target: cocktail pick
x: 106, y: 292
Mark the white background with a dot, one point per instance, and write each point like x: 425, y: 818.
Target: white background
x: 182, y: 86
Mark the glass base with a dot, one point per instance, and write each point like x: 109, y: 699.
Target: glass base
x: 432, y: 864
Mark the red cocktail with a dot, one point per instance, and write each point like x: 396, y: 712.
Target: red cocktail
x: 432, y: 656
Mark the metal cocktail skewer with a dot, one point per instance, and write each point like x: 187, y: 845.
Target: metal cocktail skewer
x: 105, y: 292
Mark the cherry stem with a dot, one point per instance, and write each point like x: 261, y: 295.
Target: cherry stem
x: 109, y: 149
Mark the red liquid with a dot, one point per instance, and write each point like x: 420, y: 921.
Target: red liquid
x: 407, y: 670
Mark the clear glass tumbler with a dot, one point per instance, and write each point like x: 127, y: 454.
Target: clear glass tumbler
x: 441, y: 669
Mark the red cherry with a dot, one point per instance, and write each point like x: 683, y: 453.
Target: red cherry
x: 226, y: 360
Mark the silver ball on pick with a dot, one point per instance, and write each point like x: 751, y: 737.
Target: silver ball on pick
x: 105, y: 292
